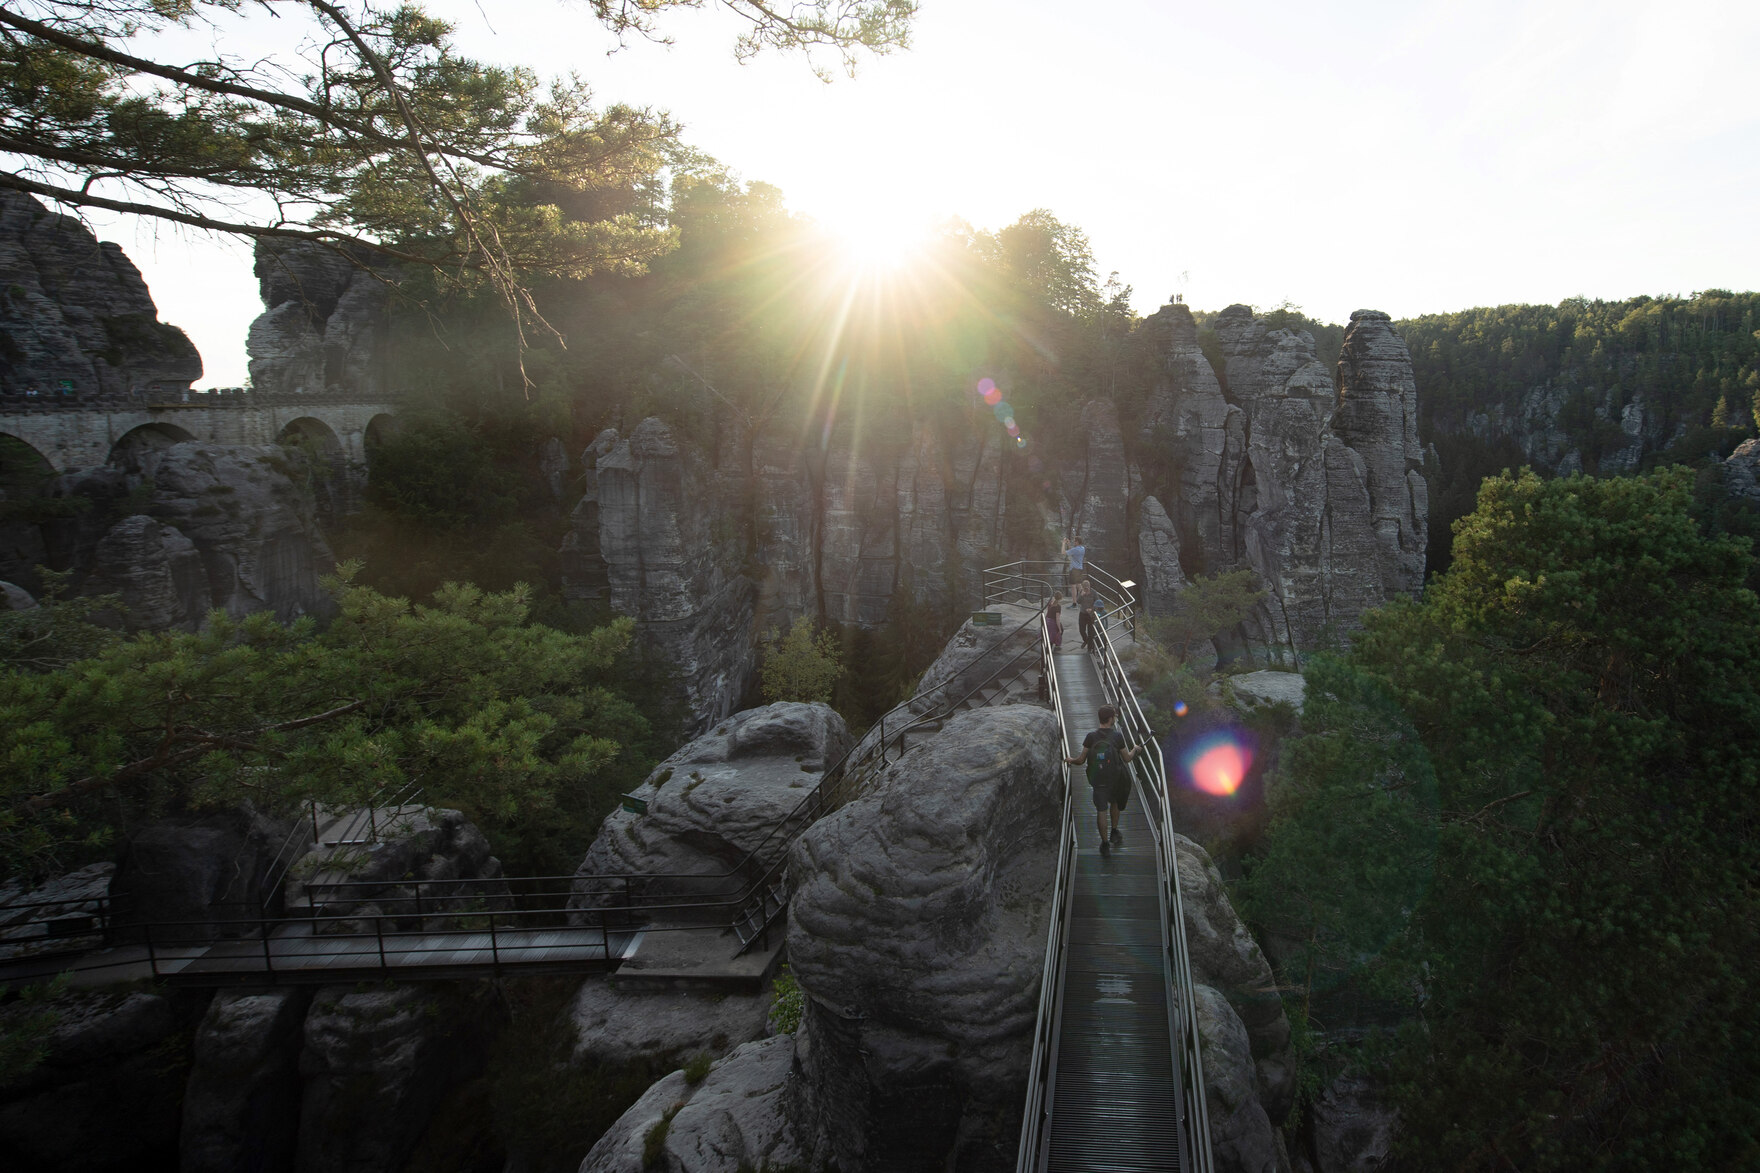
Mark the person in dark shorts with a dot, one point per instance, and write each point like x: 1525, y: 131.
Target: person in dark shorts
x: 1087, y: 619
x: 1105, y: 753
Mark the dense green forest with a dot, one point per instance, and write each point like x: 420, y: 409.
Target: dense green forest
x: 1693, y: 363
x: 1522, y: 818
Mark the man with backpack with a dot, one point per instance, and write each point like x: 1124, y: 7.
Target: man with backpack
x: 1106, y: 754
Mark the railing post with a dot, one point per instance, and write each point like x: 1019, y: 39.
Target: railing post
x: 494, y: 947
x: 379, y: 930
x: 268, y: 958
x: 152, y: 955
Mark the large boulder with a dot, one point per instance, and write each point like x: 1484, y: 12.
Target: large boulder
x: 431, y: 844
x: 713, y: 801
x: 917, y: 930
x: 108, y: 1094
x: 1225, y: 957
x: 736, y: 1119
x: 206, y: 873
x: 241, y: 1107
x: 156, y: 570
x: 376, y: 1062
x: 636, y: 1027
x: 75, y: 316
x: 1241, y: 1135
x: 251, y: 518
x: 975, y: 652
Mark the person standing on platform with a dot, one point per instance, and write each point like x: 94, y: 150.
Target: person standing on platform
x: 1077, y: 554
x: 1054, y: 621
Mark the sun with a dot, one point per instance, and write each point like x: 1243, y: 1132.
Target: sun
x: 876, y: 244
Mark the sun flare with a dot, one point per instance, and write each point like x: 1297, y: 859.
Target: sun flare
x: 877, y: 245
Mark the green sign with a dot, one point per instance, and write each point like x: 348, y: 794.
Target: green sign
x: 986, y: 619
x: 634, y: 805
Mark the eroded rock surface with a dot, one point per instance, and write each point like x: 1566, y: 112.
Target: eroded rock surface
x: 75, y: 317
x: 1225, y: 957
x: 107, y: 1096
x: 376, y: 1062
x: 736, y: 1119
x: 714, y: 800
x: 620, y: 1025
x: 241, y: 1108
x: 204, y: 871
x: 1241, y: 1135
x: 438, y: 846
x: 917, y: 930
x: 324, y: 325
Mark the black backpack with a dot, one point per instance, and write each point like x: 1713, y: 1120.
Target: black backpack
x: 1105, y: 758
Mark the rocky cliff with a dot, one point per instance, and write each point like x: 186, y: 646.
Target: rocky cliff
x: 324, y: 326
x: 75, y: 317
x: 1310, y: 478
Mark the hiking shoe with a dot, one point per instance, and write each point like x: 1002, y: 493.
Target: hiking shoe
x: 1117, y: 837
x: 1105, y: 849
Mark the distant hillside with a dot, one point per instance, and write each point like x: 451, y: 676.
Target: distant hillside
x: 1602, y: 386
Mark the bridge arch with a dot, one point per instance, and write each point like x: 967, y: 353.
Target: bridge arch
x: 380, y: 429
x: 149, y: 437
x: 23, y: 469
x: 311, y: 432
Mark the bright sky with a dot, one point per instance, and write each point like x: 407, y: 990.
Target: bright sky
x: 1396, y: 154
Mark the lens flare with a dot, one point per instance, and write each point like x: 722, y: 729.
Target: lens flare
x: 1002, y: 410
x: 1218, y: 764
x: 986, y: 385
x: 1180, y: 708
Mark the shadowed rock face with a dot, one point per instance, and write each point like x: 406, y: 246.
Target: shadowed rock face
x: 75, y: 316
x: 1309, y: 478
x: 716, y: 799
x: 241, y: 1109
x: 917, y: 930
x: 324, y: 328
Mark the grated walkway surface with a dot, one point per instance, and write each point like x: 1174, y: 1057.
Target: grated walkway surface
x: 1114, y: 1099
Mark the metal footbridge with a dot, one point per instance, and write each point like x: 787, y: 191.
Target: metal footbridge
x: 1115, y: 1082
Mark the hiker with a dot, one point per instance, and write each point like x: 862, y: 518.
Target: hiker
x: 1088, y: 621
x: 1076, y: 554
x: 1105, y: 753
x: 1054, y: 621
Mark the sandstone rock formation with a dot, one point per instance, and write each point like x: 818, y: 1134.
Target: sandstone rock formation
x: 203, y: 870
x: 736, y: 1119
x: 376, y: 1063
x: 429, y: 844
x: 710, y: 549
x: 241, y: 1108
x: 917, y: 931
x: 1352, y: 1127
x: 324, y: 328
x: 55, y: 907
x: 75, y: 317
x: 714, y: 800
x: 975, y: 653
x: 107, y: 1096
x: 1225, y: 958
x: 1241, y: 1134
x: 626, y: 1025
x: 228, y: 527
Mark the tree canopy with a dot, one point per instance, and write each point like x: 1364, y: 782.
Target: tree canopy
x: 1529, y: 803
x: 379, y: 137
x: 521, y: 725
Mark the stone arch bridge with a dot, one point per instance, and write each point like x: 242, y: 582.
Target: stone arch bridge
x: 76, y: 433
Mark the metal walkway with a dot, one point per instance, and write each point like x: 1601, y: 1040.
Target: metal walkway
x: 1114, y: 1095
x: 1116, y: 1081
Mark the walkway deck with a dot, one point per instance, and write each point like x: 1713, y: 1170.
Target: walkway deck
x: 1114, y: 1098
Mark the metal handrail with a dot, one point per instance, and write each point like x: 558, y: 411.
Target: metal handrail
x: 1150, y: 769
x: 1042, y: 1072
x: 1189, y: 1071
x: 1119, y: 603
